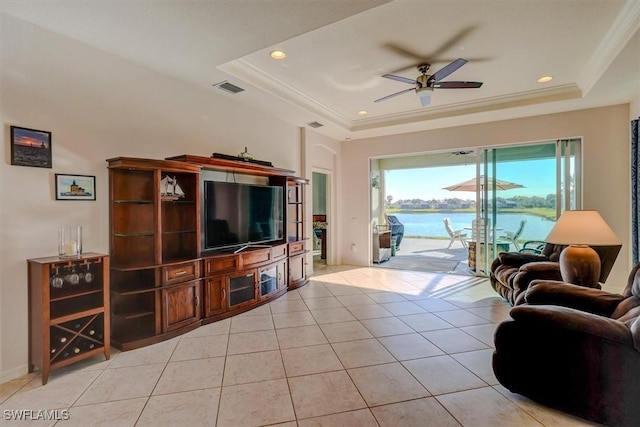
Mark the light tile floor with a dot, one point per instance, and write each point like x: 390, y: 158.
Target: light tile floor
x: 355, y: 347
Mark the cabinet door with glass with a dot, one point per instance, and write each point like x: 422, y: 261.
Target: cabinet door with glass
x: 241, y: 289
x: 272, y: 279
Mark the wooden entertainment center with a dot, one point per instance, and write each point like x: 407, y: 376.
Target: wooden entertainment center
x: 162, y: 283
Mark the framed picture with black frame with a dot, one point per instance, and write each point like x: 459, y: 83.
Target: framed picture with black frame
x: 30, y: 147
x: 75, y: 187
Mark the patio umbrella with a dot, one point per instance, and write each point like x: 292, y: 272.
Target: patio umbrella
x: 472, y: 185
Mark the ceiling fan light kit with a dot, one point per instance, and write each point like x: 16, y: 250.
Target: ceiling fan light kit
x: 425, y: 83
x: 425, y: 95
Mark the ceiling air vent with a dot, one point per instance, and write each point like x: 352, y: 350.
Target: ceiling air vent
x: 228, y: 87
x: 315, y: 124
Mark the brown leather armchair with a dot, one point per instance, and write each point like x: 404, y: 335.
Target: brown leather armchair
x: 512, y: 272
x: 576, y: 349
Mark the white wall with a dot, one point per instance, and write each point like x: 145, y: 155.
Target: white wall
x: 634, y: 108
x: 97, y: 106
x: 606, y: 165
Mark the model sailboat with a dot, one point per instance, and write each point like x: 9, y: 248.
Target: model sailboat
x: 169, y: 188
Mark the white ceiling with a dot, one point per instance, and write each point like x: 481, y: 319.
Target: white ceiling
x: 338, y: 49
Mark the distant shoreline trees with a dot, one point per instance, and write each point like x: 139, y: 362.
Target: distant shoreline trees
x: 535, y: 205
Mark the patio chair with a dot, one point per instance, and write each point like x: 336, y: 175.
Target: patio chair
x: 454, y: 234
x: 533, y: 247
x: 475, y: 229
x: 513, y: 236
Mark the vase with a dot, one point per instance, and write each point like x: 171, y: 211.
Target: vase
x: 70, y: 242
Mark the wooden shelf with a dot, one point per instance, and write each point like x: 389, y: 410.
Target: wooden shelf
x: 52, y: 309
x: 133, y: 163
x: 62, y: 295
x: 135, y: 315
x: 232, y: 166
x: 145, y: 239
x: 55, y: 320
x: 134, y: 202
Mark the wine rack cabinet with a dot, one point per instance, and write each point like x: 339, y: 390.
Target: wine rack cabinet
x: 69, y: 311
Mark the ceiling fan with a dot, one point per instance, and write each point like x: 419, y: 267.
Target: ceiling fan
x: 425, y: 83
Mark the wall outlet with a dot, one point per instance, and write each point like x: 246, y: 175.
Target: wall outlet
x: 353, y: 247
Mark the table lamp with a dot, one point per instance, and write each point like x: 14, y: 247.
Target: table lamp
x: 579, y: 263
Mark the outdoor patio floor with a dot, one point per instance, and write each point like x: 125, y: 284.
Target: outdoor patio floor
x: 433, y: 255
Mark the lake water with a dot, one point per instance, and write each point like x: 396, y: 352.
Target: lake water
x: 432, y: 224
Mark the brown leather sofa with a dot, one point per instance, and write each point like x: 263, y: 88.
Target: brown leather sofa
x: 576, y: 349
x: 512, y: 272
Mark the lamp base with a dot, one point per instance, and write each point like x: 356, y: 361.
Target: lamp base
x: 580, y: 265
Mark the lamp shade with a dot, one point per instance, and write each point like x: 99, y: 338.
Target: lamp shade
x: 584, y: 227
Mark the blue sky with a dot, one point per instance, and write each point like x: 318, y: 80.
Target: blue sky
x: 537, y: 176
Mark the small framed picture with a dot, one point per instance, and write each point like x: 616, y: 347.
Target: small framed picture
x: 30, y: 147
x: 75, y: 187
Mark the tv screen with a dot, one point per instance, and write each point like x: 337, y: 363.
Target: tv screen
x: 240, y: 214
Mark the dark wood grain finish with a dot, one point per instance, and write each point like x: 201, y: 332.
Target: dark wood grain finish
x: 154, y: 247
x: 162, y: 285
x: 232, y: 166
x: 181, y: 305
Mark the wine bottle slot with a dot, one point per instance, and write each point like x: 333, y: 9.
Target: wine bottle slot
x: 86, y: 345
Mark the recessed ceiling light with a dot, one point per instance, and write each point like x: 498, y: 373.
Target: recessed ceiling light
x: 278, y: 54
x: 362, y: 113
x: 545, y: 79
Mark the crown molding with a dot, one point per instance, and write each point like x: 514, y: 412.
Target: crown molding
x: 251, y: 74
x: 625, y: 26
x: 556, y: 93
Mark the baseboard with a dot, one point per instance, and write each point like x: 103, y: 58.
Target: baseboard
x: 14, y: 373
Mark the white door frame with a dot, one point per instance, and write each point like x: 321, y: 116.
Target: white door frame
x: 331, y: 214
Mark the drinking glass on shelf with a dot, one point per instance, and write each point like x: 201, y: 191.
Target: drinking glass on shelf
x: 88, y: 276
x: 57, y: 281
x: 73, y: 277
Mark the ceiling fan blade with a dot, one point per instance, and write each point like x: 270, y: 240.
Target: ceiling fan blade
x: 452, y: 42
x: 457, y: 85
x: 406, y: 51
x: 399, y: 79
x: 448, y: 69
x: 403, y: 51
x: 393, y: 95
x: 473, y: 59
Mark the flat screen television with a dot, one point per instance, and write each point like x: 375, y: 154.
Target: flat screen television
x: 236, y: 215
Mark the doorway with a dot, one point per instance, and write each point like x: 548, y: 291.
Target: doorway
x: 494, y: 199
x: 552, y: 172
x: 320, y: 183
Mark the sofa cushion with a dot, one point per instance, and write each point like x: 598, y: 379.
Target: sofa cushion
x: 517, y: 259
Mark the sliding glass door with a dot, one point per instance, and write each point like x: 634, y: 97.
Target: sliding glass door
x: 521, y: 191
